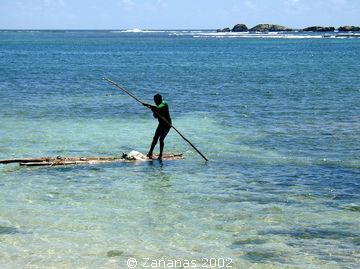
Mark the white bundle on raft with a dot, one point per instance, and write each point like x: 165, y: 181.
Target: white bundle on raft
x: 136, y: 155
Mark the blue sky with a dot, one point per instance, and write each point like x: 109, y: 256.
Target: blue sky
x: 174, y: 14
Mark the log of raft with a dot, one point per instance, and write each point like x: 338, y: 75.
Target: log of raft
x: 59, y: 160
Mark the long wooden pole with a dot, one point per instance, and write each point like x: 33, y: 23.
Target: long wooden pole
x: 160, y: 116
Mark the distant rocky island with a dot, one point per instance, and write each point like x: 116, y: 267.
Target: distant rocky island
x: 279, y: 28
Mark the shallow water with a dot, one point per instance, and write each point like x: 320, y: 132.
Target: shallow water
x: 278, y: 119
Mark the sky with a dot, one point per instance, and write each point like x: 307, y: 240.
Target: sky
x: 174, y: 14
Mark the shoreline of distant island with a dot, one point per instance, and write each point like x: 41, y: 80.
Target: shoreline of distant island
x: 238, y: 28
x: 264, y: 27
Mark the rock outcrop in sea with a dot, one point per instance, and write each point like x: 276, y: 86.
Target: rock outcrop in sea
x: 224, y: 30
x: 349, y: 28
x: 240, y: 28
x: 279, y: 28
x: 269, y: 28
x: 319, y: 29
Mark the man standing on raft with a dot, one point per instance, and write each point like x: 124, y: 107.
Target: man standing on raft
x: 161, y: 112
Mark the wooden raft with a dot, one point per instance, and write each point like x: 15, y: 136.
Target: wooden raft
x: 59, y: 160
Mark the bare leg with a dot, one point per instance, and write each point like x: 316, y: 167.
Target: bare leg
x: 161, y: 147
x: 162, y: 138
x: 153, y: 144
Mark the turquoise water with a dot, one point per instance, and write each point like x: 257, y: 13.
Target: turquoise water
x: 279, y: 120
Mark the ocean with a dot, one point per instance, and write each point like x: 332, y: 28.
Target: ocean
x: 277, y: 116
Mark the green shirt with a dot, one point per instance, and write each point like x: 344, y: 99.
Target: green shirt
x: 163, y: 110
x: 163, y: 104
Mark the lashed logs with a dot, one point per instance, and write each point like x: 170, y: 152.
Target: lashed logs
x: 59, y: 160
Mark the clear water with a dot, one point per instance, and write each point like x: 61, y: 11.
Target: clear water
x: 279, y: 120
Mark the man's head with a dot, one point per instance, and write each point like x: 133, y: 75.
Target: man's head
x: 157, y: 99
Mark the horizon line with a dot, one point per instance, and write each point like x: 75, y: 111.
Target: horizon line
x: 134, y: 28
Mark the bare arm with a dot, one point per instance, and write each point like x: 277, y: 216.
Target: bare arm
x: 152, y: 109
x: 149, y: 106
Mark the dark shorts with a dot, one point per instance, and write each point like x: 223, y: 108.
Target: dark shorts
x: 161, y: 131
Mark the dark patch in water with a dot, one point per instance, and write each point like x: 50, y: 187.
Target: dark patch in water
x: 356, y: 241
x: 345, y: 197
x: 8, y: 230
x: 313, y: 233
x: 114, y: 253
x: 264, y: 256
x: 247, y: 241
x: 355, y: 208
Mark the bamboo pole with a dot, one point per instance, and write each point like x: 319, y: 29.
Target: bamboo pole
x: 160, y: 116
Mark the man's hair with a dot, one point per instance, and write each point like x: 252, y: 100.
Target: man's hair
x: 157, y: 98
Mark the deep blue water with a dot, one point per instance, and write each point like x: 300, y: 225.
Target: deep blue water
x: 279, y: 120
